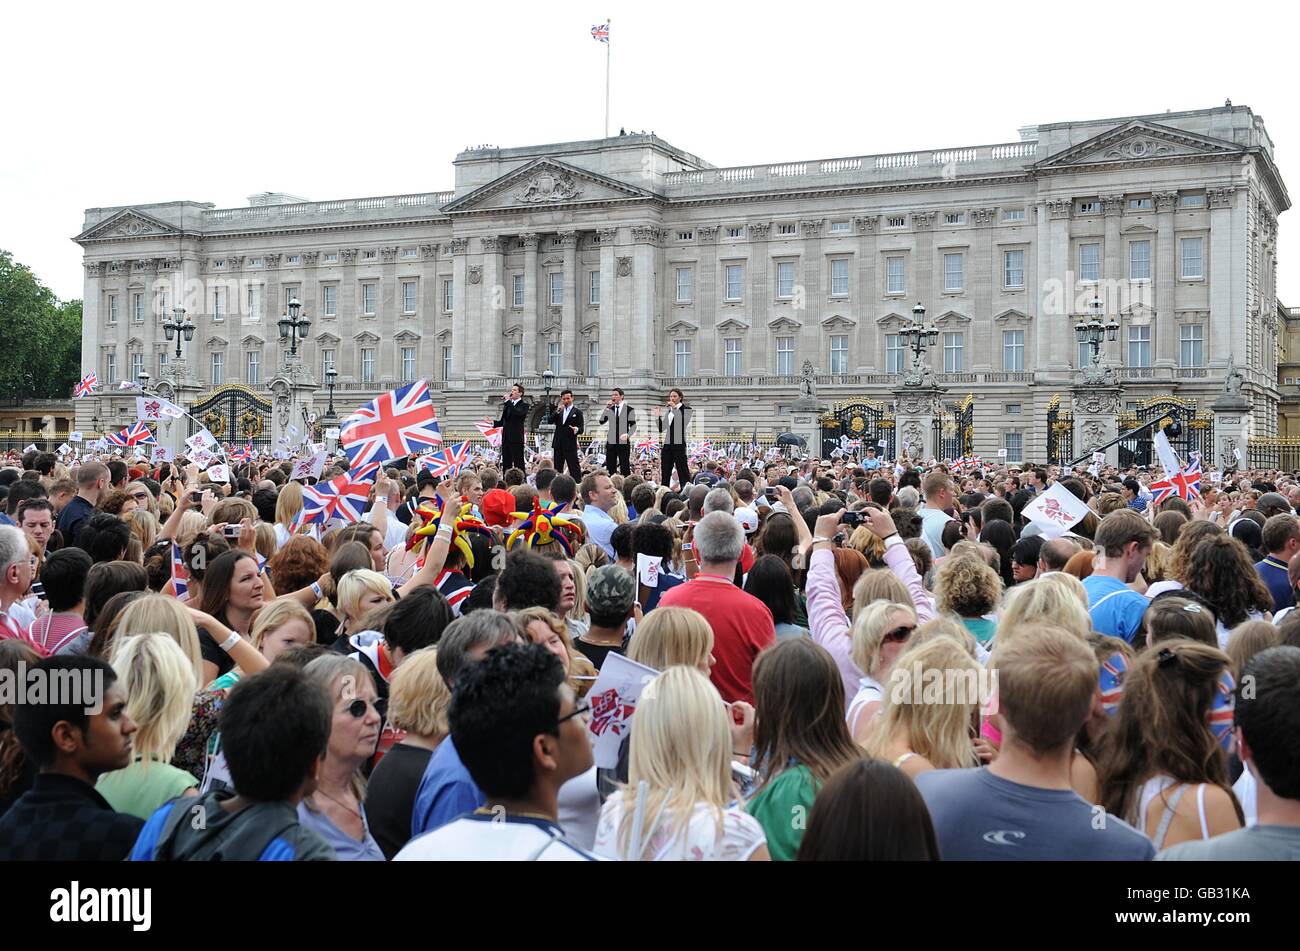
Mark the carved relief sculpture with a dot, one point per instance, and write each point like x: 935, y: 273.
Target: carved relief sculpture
x: 549, y: 186
x: 624, y: 267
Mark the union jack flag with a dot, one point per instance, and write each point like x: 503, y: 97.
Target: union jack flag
x: 490, y: 432
x: 178, y: 585
x: 86, y: 385
x: 1113, y: 671
x: 352, y: 492
x: 396, y: 424
x: 449, y: 461
x: 242, y: 455
x: 645, y: 445
x: 1222, y: 709
x: 600, y: 33
x: 134, y: 435
x: 1186, y: 483
x: 317, y: 505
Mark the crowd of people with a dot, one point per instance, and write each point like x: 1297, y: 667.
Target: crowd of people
x: 845, y: 661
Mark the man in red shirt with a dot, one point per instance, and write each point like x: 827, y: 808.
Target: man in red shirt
x: 742, y: 624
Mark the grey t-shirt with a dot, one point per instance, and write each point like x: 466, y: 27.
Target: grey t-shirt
x: 932, y: 523
x: 981, y: 816
x: 1256, y: 844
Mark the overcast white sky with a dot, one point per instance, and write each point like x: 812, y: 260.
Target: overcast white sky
x: 134, y: 101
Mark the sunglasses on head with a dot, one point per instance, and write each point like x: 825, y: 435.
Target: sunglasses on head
x: 899, y: 634
x: 358, y: 707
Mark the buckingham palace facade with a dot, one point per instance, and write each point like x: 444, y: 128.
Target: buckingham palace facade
x: 628, y: 262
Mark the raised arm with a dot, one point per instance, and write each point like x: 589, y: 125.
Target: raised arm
x: 899, y: 560
x: 827, y: 621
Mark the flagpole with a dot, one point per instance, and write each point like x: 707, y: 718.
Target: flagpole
x: 607, y: 79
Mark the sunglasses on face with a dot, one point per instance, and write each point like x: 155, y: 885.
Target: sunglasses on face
x: 139, y: 496
x: 358, y: 707
x: 899, y: 634
x: 581, y: 711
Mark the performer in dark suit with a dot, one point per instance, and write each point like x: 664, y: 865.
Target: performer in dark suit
x: 622, y: 427
x: 513, y: 421
x: 674, y: 423
x: 567, y: 420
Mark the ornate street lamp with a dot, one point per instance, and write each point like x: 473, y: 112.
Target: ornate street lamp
x: 918, y: 338
x: 1093, y: 330
x: 177, y: 327
x: 293, y: 327
x: 331, y: 376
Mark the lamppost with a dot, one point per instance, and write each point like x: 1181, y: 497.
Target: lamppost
x: 331, y: 375
x: 177, y: 327
x: 142, y: 378
x: 918, y: 338
x: 546, y: 429
x: 293, y: 327
x: 1093, y: 331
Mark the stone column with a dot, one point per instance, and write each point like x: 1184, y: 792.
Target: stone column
x: 923, y: 261
x: 609, y: 297
x: 1166, y: 279
x: 866, y: 341
x: 707, y: 299
x: 808, y: 340
x: 1114, y: 271
x: 569, y: 309
x: 1232, y: 425
x: 387, y: 363
x: 493, y: 307
x: 1096, y: 419
x: 91, y: 320
x: 986, y: 344
x: 915, y: 422
x: 532, y: 314
x: 644, y: 255
x: 460, y: 342
x: 1054, y: 331
x: 759, y: 302
x: 1225, y: 244
x: 430, y: 353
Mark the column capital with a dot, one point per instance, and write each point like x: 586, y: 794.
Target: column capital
x: 429, y: 251
x: 758, y: 230
x: 1112, y: 204
x: 309, y: 258
x: 493, y: 244
x: 1060, y: 207
x: 1165, y: 201
x: 568, y: 239
x: 811, y: 227
x: 348, y: 256
x: 235, y: 262
x: 922, y: 220
x: 459, y: 245
x: 983, y: 217
x: 1220, y: 196
x: 648, y: 234
x: 389, y: 255
x: 607, y: 235
x: 530, y: 240
x: 94, y: 269
x: 708, y: 234
x: 273, y: 260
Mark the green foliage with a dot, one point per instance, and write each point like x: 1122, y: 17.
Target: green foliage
x: 40, y: 336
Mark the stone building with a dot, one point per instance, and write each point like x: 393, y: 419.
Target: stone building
x: 627, y: 261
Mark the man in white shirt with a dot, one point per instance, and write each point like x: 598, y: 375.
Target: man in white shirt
x: 514, y: 692
x: 939, y: 492
x: 598, y: 496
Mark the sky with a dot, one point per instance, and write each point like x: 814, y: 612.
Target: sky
x: 141, y: 102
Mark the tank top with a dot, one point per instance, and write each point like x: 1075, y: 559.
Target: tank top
x: 1154, y: 787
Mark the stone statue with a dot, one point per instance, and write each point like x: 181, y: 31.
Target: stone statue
x: 1233, y: 379
x: 807, y: 387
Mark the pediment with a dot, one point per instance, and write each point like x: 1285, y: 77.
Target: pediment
x: 1138, y: 140
x: 893, y: 318
x: 591, y: 329
x: 1011, y: 315
x: 253, y: 340
x: 407, y: 336
x: 731, y: 324
x: 1138, y: 229
x: 217, y: 341
x: 952, y: 317
x: 327, y: 338
x: 135, y: 343
x: 127, y: 223
x: 545, y: 183
x: 679, y: 327
x: 513, y: 332
x: 444, y: 336
x: 1139, y: 309
x: 365, y: 336
x: 839, y: 322
x: 783, y: 323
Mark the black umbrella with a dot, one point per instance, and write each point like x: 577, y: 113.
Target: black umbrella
x: 791, y: 439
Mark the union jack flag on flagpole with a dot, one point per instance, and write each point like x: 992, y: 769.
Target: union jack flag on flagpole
x: 136, y: 435
x: 317, y: 505
x: 352, y: 492
x: 1186, y: 483
x: 86, y: 385
x: 600, y: 33
x: 178, y: 585
x: 399, y: 423
x: 241, y: 455
x: 449, y: 461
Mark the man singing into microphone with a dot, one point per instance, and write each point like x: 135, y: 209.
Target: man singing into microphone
x: 514, y: 418
x: 674, y: 422
x: 567, y: 420
x: 618, y: 441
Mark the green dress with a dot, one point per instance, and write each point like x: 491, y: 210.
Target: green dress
x: 139, y: 792
x: 782, y: 808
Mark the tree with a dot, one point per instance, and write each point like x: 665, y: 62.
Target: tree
x: 41, y: 336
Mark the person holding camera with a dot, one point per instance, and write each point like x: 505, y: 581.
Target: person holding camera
x: 674, y: 421
x: 618, y: 440
x: 567, y: 420
x: 513, y: 420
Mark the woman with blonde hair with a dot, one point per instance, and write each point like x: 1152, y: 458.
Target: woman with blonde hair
x: 360, y: 591
x: 144, y: 499
x: 544, y: 627
x: 265, y: 542
x: 1248, y: 639
x: 288, y: 503
x: 579, y: 610
x: 144, y: 527
x: 192, y: 525
x: 282, y: 624
x: 679, y: 781
x: 336, y: 809
x: 947, y: 627
x: 880, y: 633
x: 159, y: 683
x: 673, y: 636
x: 970, y: 590
x: 590, y: 556
x: 1057, y: 597
x: 914, y: 731
x: 418, y: 703
x: 619, y: 512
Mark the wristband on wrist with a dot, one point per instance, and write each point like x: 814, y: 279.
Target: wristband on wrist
x: 316, y: 589
x: 822, y: 538
x: 230, y: 641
